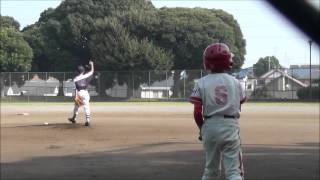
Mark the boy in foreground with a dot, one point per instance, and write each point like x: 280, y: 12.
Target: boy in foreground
x: 217, y: 98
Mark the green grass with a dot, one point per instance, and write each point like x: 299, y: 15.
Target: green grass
x: 139, y: 103
x: 152, y: 103
x: 95, y: 103
x: 295, y: 103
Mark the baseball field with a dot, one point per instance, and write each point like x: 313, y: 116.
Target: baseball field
x: 151, y: 141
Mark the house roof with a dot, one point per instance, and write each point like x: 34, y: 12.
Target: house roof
x: 295, y: 80
x: 270, y: 75
x: 313, y: 66
x: 244, y: 73
x: 291, y: 78
x: 304, y: 73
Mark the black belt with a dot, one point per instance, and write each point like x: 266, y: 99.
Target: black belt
x: 225, y: 116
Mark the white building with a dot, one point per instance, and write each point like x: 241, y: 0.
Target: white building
x: 155, y: 92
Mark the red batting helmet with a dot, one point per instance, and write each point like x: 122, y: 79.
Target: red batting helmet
x: 217, y: 57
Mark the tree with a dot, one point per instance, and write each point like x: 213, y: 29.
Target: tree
x: 187, y: 32
x: 304, y: 93
x: 265, y: 64
x: 7, y: 21
x: 114, y: 48
x: 55, y: 48
x: 15, y: 53
x: 314, y: 89
x: 36, y: 40
x: 112, y: 31
x: 182, y: 32
x: 77, y: 31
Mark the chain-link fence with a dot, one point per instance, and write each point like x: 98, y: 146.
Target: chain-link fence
x: 173, y: 85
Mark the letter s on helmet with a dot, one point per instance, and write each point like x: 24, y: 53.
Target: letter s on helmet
x: 217, y: 57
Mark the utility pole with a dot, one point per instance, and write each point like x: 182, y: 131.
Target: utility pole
x: 310, y: 85
x: 269, y: 63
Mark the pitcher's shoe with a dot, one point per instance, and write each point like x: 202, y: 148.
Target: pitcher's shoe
x: 72, y: 120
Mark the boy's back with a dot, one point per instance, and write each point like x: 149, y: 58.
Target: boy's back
x: 220, y: 94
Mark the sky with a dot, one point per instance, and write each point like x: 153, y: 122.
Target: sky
x: 266, y: 32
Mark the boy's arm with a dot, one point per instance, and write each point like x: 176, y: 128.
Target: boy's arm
x: 196, y: 100
x: 92, y: 66
x: 243, y: 100
x: 243, y: 97
x: 198, y: 118
x: 197, y: 114
x: 86, y: 75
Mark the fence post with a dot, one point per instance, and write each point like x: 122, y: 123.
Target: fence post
x: 28, y: 80
x: 149, y: 86
x: 291, y: 87
x: 274, y: 84
x: 10, y: 84
x: 63, y: 88
x: 99, y: 85
x: 184, y: 87
x: 167, y: 88
x: 133, y: 84
x: 46, y: 87
x: 116, y: 87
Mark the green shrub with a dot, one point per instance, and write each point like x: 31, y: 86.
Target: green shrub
x: 304, y: 93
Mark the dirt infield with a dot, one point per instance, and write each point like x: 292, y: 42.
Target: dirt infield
x: 150, y: 141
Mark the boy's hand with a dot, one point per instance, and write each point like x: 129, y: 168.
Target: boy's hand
x: 200, y: 137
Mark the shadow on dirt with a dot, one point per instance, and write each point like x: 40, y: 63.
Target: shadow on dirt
x: 262, y: 162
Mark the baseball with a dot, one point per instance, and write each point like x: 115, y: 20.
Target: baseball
x: 45, y: 123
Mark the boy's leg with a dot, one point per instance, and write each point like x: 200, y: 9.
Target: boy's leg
x: 211, y: 146
x: 75, y: 113
x: 86, y: 107
x: 87, y: 113
x: 232, y: 158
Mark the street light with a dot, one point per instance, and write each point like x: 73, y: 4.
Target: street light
x: 310, y: 92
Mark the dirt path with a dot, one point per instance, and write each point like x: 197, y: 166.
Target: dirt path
x: 151, y: 142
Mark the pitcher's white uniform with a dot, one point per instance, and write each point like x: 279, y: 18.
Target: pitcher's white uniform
x: 220, y: 95
x: 81, y: 84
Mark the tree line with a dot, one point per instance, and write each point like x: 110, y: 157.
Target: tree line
x: 118, y: 35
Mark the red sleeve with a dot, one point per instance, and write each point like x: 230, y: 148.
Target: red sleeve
x: 197, y: 113
x: 195, y: 100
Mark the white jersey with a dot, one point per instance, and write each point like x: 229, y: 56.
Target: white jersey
x: 219, y: 93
